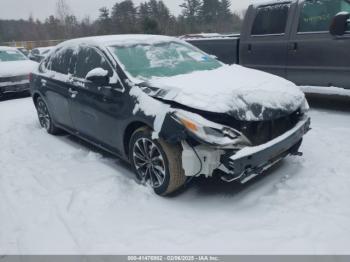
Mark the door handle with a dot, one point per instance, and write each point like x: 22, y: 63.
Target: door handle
x: 43, y: 82
x: 73, y: 93
x: 250, y: 47
x: 293, y: 47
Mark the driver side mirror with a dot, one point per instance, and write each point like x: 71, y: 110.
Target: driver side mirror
x: 98, y: 76
x: 340, y: 24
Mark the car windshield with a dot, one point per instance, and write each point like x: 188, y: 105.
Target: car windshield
x: 163, y: 60
x: 11, y: 55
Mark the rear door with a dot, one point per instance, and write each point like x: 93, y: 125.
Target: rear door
x: 264, y: 42
x: 96, y: 110
x: 56, y: 85
x: 318, y: 58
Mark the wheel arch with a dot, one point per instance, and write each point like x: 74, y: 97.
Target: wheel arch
x: 35, y: 97
x: 129, y: 131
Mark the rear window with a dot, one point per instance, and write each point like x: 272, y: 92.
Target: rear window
x: 11, y: 55
x: 271, y: 19
x: 35, y: 52
x: 62, y: 61
x: 317, y: 15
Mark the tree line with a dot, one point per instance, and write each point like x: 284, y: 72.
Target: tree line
x: 124, y: 17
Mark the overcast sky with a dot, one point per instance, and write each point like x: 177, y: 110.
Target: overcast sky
x: 15, y: 9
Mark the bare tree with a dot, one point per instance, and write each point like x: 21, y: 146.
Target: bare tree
x: 62, y: 10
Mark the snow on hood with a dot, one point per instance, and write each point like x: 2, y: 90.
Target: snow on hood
x: 246, y: 94
x: 17, y: 68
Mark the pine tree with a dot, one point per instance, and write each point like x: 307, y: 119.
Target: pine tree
x: 156, y: 15
x: 104, y: 21
x: 190, y: 12
x: 150, y: 26
x: 225, y: 19
x: 209, y: 14
x: 124, y: 17
x: 225, y: 9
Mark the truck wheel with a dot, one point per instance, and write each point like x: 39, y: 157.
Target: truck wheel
x: 156, y: 162
x: 44, y: 116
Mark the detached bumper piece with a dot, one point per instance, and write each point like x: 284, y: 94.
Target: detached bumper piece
x: 250, y: 162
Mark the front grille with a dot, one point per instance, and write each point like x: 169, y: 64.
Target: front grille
x: 264, y: 131
x: 258, y: 132
x: 14, y: 88
x: 14, y: 78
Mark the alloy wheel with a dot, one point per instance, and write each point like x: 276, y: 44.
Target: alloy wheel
x: 43, y: 114
x: 149, y: 162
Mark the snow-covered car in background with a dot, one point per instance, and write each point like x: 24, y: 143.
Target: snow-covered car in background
x: 15, y: 69
x: 169, y: 109
x: 23, y: 50
x: 38, y: 54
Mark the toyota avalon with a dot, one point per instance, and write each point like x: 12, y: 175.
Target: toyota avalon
x: 170, y: 110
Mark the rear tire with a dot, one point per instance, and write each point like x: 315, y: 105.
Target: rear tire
x: 45, y: 118
x: 156, y: 162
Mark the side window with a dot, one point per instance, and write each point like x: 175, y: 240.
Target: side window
x: 35, y: 52
x: 89, y: 59
x: 317, y: 15
x: 62, y: 61
x: 271, y: 19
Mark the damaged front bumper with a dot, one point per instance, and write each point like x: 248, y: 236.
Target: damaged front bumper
x: 250, y: 162
x: 247, y: 163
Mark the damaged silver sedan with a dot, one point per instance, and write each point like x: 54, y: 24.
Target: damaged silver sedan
x: 170, y: 110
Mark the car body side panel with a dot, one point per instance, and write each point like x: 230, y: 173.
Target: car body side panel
x: 320, y: 59
x: 111, y: 114
x: 265, y: 52
x: 100, y: 114
x: 314, y: 58
x: 56, y: 94
x: 225, y: 49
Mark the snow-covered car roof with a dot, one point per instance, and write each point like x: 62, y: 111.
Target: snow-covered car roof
x: 196, y: 37
x: 110, y: 40
x: 8, y: 48
x: 270, y: 2
x: 204, y: 35
x: 43, y: 49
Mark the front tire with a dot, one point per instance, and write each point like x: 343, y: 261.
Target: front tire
x: 156, y: 162
x: 45, y: 118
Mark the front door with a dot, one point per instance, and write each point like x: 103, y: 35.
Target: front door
x: 97, y: 110
x: 264, y: 45
x: 319, y: 59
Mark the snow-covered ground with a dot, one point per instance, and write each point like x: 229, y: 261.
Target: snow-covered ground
x: 59, y: 196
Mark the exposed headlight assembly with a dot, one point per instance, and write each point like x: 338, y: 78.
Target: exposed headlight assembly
x: 208, y: 131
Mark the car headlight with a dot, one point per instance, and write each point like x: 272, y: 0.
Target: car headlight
x: 206, y: 130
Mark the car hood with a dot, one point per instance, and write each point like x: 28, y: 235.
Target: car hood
x: 246, y: 94
x: 17, y: 68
